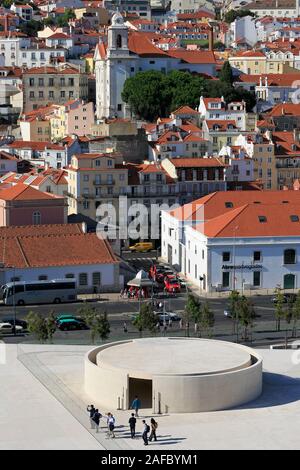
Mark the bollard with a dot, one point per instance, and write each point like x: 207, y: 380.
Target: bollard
x: 153, y: 402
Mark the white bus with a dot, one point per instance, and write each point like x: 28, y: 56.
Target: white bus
x: 39, y: 292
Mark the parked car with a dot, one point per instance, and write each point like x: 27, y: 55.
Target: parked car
x: 289, y: 297
x: 172, y: 284
x: 227, y: 314
x: 10, y: 320
x: 68, y: 324
x: 166, y: 317
x: 7, y: 328
x: 65, y: 316
x: 142, y: 247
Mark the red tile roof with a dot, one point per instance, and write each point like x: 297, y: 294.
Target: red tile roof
x: 213, y: 205
x: 247, y: 219
x: 193, y: 57
x: 140, y: 44
x: 28, y: 144
x: 285, y: 109
x: 185, y: 110
x: 24, y: 192
x: 196, y: 162
x: 60, y: 245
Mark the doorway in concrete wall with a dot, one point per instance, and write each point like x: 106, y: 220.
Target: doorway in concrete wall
x: 141, y: 388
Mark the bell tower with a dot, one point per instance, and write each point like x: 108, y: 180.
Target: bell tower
x: 117, y: 35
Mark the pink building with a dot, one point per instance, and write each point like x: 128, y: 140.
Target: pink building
x: 80, y: 117
x: 23, y: 205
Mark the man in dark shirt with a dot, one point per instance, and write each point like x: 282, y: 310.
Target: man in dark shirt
x: 132, y: 423
x: 91, y: 410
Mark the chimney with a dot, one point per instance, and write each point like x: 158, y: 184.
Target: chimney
x: 5, y: 23
x: 211, y: 39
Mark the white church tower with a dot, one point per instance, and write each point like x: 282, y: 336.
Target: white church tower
x: 112, y: 71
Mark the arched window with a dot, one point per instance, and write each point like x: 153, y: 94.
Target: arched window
x: 36, y: 218
x: 289, y: 256
x: 119, y: 40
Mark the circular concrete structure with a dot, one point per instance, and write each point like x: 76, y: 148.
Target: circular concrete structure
x: 176, y: 374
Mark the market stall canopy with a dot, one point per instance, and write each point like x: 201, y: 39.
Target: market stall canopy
x: 141, y: 280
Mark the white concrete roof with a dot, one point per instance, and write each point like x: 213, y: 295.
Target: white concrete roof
x: 31, y: 418
x: 179, y: 356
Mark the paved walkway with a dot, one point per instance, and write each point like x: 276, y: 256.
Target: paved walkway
x: 45, y: 408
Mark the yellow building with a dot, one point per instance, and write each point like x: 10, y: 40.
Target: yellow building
x: 257, y: 63
x: 262, y: 150
x: 36, y: 125
x: 94, y: 179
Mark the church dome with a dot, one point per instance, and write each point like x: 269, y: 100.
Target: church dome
x: 117, y: 19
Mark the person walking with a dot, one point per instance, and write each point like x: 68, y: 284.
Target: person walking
x: 111, y: 424
x: 153, y: 426
x: 132, y: 424
x: 91, y: 410
x: 145, y: 432
x: 136, y: 405
x: 96, y: 418
x: 125, y: 327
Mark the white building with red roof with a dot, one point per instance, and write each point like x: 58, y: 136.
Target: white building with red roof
x: 130, y: 52
x: 236, y: 240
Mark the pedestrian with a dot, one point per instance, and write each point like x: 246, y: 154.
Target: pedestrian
x: 165, y: 327
x: 158, y: 326
x: 153, y: 425
x: 170, y: 323
x: 111, y: 425
x: 125, y: 327
x: 135, y: 405
x: 121, y: 293
x: 145, y: 432
x: 196, y: 328
x: 96, y: 418
x: 132, y: 423
x: 180, y: 324
x: 91, y: 410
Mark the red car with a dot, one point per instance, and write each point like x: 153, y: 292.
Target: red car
x: 172, y: 284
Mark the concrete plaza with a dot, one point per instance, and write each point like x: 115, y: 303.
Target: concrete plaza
x: 43, y: 407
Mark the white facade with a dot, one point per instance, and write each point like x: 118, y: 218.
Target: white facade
x: 232, y: 262
x: 218, y: 109
x: 107, y: 275
x: 244, y: 29
x: 19, y: 52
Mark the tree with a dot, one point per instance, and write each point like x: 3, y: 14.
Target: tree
x: 146, y: 319
x: 279, y: 307
x: 31, y: 27
x: 102, y: 326
x: 207, y: 319
x: 63, y: 20
x: 42, y: 328
x: 50, y: 326
x: 246, y: 315
x: 152, y: 94
x: 231, y: 15
x: 193, y: 312
x: 233, y: 300
x: 226, y: 74
x: 296, y: 315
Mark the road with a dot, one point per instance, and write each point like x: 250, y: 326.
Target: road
x: 122, y: 310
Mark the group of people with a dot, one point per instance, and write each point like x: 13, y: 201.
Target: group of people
x: 134, y: 293
x: 95, y: 418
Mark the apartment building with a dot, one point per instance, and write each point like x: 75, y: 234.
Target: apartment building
x: 261, y: 149
x: 73, y: 117
x: 94, y: 179
x: 49, y: 85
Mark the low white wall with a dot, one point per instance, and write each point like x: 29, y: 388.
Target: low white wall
x: 104, y: 386
x: 176, y: 393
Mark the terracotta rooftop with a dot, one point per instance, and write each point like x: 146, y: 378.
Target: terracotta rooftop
x: 25, y: 192
x: 59, y: 245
